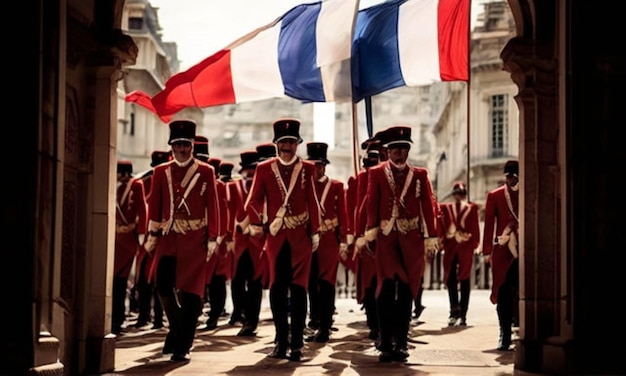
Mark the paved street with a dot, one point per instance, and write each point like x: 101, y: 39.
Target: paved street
x: 435, y: 348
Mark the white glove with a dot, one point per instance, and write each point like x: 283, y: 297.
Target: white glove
x: 315, y: 241
x: 371, y: 234
x: 211, y: 249
x: 151, y: 243
x: 360, y: 242
x: 350, y: 239
x: 230, y: 246
x: 343, y: 251
x: 255, y: 230
x: 220, y: 239
x: 431, y: 246
x: 141, y: 238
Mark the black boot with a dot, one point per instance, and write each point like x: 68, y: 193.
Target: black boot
x: 504, y: 341
x: 464, y: 303
x: 453, y: 297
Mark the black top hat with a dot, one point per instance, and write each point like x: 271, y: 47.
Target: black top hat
x: 226, y: 169
x: 317, y: 152
x: 201, y: 148
x: 375, y: 145
x: 215, y: 162
x: 371, y: 159
x: 182, y: 130
x: 459, y: 188
x: 124, y: 167
x: 249, y: 159
x: 398, y: 135
x: 266, y: 151
x: 159, y: 157
x: 381, y: 136
x: 287, y: 128
x: 511, y: 168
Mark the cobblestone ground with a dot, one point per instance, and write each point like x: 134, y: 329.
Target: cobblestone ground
x: 435, y: 348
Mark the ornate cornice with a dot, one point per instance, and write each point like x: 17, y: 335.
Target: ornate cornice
x: 527, y: 68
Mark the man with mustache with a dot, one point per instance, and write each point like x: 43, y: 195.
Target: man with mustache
x: 401, y: 219
x: 285, y: 183
x: 183, y: 227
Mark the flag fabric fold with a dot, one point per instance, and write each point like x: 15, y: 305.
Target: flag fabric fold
x: 409, y: 43
x: 304, y: 54
x: 327, y: 51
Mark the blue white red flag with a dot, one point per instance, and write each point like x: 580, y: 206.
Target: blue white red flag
x: 409, y: 43
x: 327, y: 51
x: 304, y: 54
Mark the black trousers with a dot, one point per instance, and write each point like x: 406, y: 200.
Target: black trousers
x: 394, y: 314
x: 458, y: 307
x: 247, y: 292
x: 148, y: 298
x: 182, y: 309
x: 321, y: 297
x: 508, y: 298
x: 287, y: 301
x: 118, y: 311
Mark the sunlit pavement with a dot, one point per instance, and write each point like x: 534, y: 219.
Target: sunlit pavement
x: 434, y: 348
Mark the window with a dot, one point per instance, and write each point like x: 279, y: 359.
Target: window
x: 498, y: 124
x: 135, y: 23
x: 132, y: 124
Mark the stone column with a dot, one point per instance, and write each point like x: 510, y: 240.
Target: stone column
x: 535, y: 72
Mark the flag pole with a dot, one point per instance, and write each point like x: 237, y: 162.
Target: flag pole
x: 368, y: 116
x: 355, y: 140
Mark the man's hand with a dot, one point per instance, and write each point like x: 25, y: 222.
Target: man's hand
x: 343, y: 251
x: 212, y: 245
x: 350, y: 239
x: 256, y: 230
x: 230, y: 246
x: 150, y: 243
x: 315, y: 241
x: 487, y: 259
x: 431, y: 246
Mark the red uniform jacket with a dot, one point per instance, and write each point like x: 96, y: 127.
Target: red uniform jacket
x: 410, y: 192
x: 141, y: 252
x: 460, y: 234
x: 221, y: 261
x: 333, y: 226
x: 184, y: 206
x: 366, y: 263
x: 241, y: 233
x: 270, y: 184
x: 351, y: 199
x: 130, y: 221
x: 499, y: 215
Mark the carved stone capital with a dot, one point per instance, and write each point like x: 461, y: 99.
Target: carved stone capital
x: 529, y: 69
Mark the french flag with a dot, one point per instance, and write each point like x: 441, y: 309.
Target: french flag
x: 328, y: 51
x: 409, y: 43
x: 304, y: 54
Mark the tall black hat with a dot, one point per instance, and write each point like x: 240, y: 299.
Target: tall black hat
x: 201, y: 148
x: 511, y: 168
x: 249, y: 159
x: 124, y: 167
x: 317, y: 152
x: 160, y: 156
x: 287, y: 128
x: 226, y: 170
x: 398, y: 135
x: 266, y: 151
x: 215, y: 162
x: 182, y: 130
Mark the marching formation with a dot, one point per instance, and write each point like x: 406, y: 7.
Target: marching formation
x: 281, y: 224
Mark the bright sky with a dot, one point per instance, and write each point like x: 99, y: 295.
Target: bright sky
x: 203, y: 27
